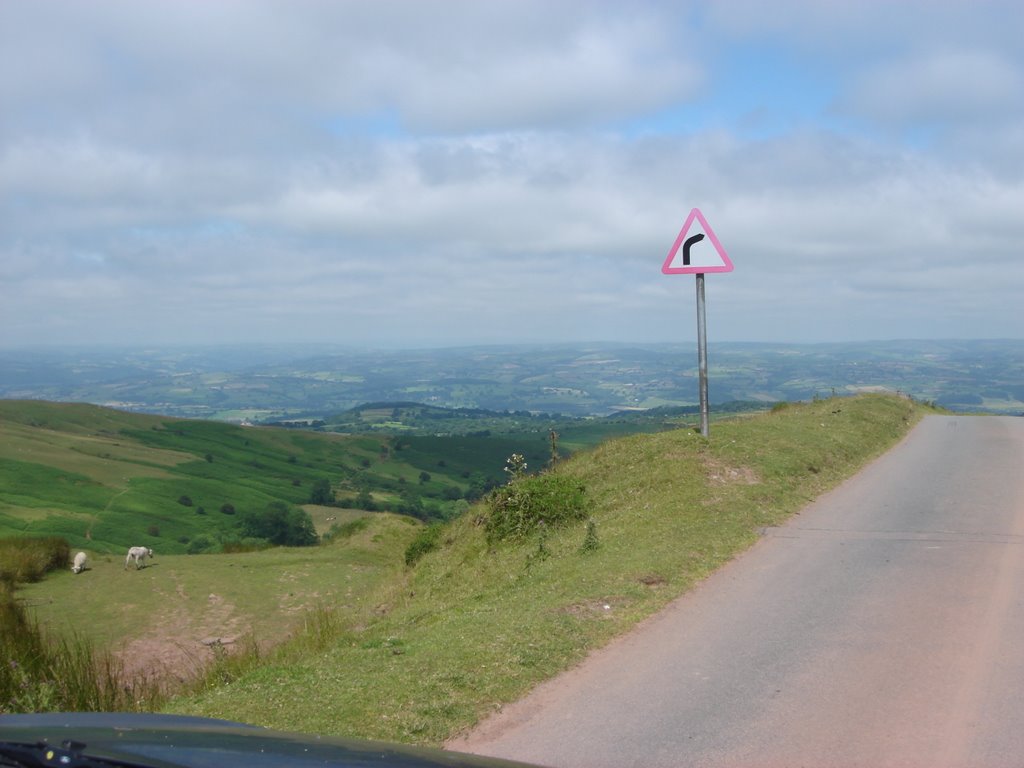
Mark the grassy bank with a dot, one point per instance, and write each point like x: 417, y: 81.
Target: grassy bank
x: 166, y: 621
x: 474, y: 625
x: 46, y: 671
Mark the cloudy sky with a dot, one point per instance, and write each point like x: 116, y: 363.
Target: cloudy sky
x: 410, y: 173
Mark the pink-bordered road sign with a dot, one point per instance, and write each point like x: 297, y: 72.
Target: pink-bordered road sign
x: 696, y: 258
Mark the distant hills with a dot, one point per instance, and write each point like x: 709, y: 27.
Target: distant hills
x: 277, y: 383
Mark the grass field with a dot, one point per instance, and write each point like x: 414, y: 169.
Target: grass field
x: 417, y: 654
x: 472, y: 627
x: 107, y: 480
x: 164, y: 619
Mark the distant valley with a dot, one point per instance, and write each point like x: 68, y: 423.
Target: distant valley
x: 276, y: 383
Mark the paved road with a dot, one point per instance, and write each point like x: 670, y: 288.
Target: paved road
x: 883, y: 627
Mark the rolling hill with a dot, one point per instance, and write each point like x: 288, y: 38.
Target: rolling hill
x: 416, y: 653
x: 108, y: 479
x: 105, y: 479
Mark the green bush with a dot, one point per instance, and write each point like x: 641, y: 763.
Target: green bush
x: 427, y: 540
x: 591, y: 543
x: 514, y: 510
x: 346, y: 530
x: 248, y: 544
x: 202, y: 543
x: 29, y: 559
x: 321, y: 492
x: 281, y: 525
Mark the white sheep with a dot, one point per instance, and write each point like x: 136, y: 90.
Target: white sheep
x: 138, y: 554
x: 80, y: 561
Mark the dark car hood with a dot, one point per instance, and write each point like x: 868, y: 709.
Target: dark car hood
x: 162, y: 741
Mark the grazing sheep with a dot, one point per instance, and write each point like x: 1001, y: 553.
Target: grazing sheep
x: 79, y: 564
x: 139, y: 555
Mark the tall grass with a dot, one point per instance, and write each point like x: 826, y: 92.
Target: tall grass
x: 29, y: 560
x: 319, y: 628
x: 39, y: 673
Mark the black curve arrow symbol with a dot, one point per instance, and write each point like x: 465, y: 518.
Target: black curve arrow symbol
x: 690, y: 241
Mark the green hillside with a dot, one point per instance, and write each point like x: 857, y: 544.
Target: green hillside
x: 418, y: 653
x: 105, y: 480
x: 476, y: 624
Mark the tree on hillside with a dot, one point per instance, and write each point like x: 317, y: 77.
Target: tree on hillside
x: 479, y: 484
x: 281, y: 525
x: 411, y: 504
x: 365, y: 501
x: 321, y: 492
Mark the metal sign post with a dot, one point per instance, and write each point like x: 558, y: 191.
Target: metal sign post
x: 696, y: 261
x: 702, y: 355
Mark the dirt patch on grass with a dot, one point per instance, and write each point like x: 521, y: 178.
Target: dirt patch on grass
x: 180, y: 643
x: 653, y: 580
x: 590, y: 608
x: 720, y: 473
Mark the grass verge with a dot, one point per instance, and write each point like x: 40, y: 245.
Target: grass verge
x: 475, y: 624
x: 42, y: 672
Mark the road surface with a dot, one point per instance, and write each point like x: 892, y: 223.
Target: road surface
x: 883, y: 626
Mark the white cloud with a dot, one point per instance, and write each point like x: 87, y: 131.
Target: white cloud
x: 266, y: 71
x: 466, y: 171
x: 945, y: 86
x: 78, y: 170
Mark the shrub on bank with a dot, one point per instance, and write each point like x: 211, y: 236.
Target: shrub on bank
x: 516, y: 510
x: 27, y: 560
x: 427, y: 540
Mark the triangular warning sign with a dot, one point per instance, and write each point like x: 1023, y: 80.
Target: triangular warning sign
x: 696, y: 250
